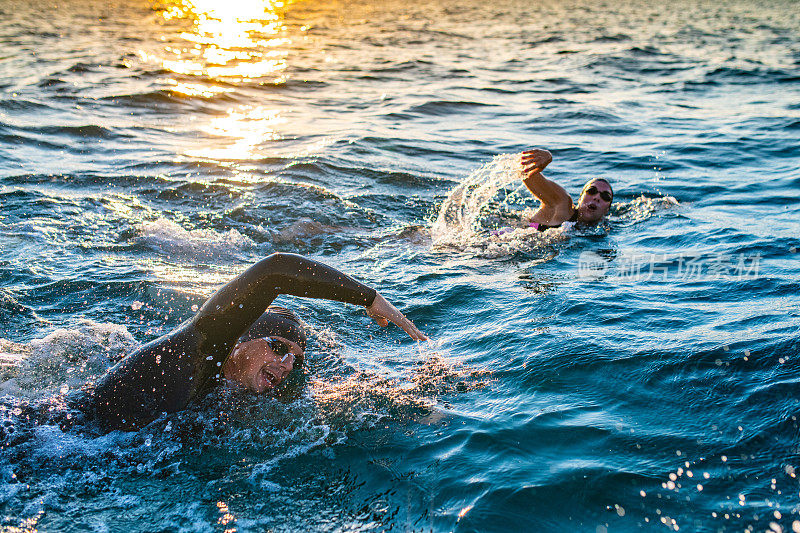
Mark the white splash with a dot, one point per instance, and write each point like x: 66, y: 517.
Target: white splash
x: 171, y: 239
x: 460, y: 223
x: 64, y: 359
x: 641, y: 208
x: 457, y: 223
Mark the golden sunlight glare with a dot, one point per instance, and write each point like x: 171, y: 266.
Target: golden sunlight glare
x: 230, y: 40
x: 210, y: 47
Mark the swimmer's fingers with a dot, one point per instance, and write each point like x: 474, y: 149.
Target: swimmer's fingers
x: 531, y: 169
x: 410, y: 328
x: 382, y: 312
x: 535, y: 160
x: 538, y: 153
x: 534, y: 163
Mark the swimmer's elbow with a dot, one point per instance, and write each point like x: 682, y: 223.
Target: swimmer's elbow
x: 278, y: 261
x: 280, y: 265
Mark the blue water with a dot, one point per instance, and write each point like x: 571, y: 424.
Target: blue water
x: 641, y: 375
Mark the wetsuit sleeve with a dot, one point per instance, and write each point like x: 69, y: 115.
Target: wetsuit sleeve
x: 231, y: 310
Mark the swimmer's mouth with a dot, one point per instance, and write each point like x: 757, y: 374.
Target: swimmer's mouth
x: 271, y: 378
x: 591, y: 207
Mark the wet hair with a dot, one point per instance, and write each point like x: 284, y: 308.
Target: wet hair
x: 588, y: 183
x: 276, y: 321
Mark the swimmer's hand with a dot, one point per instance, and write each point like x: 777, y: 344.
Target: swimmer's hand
x: 383, y: 312
x: 535, y: 160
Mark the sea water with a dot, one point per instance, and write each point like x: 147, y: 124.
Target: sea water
x: 642, y: 374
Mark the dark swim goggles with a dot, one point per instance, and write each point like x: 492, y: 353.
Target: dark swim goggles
x: 280, y: 348
x: 605, y: 195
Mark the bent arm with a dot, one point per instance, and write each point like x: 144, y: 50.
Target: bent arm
x: 165, y: 374
x: 551, y: 194
x: 231, y: 310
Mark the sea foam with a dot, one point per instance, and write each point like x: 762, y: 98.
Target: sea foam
x: 169, y: 238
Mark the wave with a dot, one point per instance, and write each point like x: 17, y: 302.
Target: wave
x: 444, y: 107
x: 25, y: 105
x: 167, y: 100
x: 83, y: 131
x: 336, y: 168
x: 167, y: 237
x: 739, y: 75
x: 13, y: 312
x: 65, y: 359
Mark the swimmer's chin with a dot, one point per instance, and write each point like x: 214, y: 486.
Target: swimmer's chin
x: 590, y: 214
x: 263, y: 387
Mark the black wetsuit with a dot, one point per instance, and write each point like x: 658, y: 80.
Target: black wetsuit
x: 169, y: 372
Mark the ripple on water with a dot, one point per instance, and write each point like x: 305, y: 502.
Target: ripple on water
x: 240, y: 440
x: 135, y: 179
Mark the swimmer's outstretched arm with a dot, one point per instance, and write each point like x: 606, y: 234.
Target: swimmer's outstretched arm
x: 231, y: 310
x: 555, y: 200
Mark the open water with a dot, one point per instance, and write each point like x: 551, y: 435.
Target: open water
x: 641, y: 375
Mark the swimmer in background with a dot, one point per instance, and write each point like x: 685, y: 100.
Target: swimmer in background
x: 236, y: 337
x: 557, y: 206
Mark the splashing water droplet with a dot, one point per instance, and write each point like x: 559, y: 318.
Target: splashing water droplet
x: 457, y: 224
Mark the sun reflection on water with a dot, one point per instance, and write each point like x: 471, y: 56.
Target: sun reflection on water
x: 212, y: 46
x: 247, y: 127
x: 228, y: 41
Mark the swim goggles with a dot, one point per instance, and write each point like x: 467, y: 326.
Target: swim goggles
x: 605, y: 195
x: 280, y: 348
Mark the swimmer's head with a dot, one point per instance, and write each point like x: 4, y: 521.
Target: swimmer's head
x: 276, y: 321
x: 595, y: 201
x: 267, y: 351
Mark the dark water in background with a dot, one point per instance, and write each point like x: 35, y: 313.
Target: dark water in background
x: 151, y: 150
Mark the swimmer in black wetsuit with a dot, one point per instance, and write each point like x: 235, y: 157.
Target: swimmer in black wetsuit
x: 557, y: 206
x: 231, y: 337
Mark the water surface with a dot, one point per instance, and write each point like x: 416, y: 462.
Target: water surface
x: 641, y: 375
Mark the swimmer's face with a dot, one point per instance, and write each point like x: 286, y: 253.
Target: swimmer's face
x: 262, y: 364
x: 592, y: 207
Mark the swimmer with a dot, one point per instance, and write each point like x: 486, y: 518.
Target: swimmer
x: 235, y: 337
x: 557, y: 206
